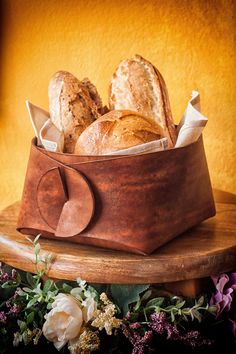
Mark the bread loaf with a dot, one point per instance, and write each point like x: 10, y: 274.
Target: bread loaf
x: 73, y: 106
x: 117, y: 130
x: 138, y: 86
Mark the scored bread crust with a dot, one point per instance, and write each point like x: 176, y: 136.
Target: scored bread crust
x: 117, y: 130
x: 138, y: 86
x: 73, y: 106
x: 93, y: 94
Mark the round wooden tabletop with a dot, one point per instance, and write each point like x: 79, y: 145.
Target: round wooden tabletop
x: 207, y: 249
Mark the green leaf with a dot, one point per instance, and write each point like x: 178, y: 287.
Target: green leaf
x: 67, y: 288
x: 27, y: 290
x: 31, y: 302
x: 31, y: 280
x: 8, y: 284
x: 41, y: 315
x: 157, y: 301
x: 37, y: 238
x: 191, y: 314
x: 124, y: 295
x: 197, y: 315
x: 201, y: 301
x: 138, y: 304
x: 48, y: 258
x: 212, y: 309
x: 169, y: 308
x: 37, y: 248
x: 180, y: 304
x: 146, y: 295
x: 30, y: 318
x: 47, y: 286
x: 49, y: 306
x: 18, y: 279
x: 38, y: 289
x: 29, y: 239
x: 172, y: 316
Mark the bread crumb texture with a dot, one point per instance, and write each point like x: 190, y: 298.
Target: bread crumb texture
x: 192, y: 46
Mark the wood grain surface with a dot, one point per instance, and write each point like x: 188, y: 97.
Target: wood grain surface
x: 205, y: 250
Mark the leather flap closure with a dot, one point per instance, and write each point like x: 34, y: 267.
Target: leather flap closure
x: 65, y: 201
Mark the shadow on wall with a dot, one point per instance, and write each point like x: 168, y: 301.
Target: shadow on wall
x: 224, y: 197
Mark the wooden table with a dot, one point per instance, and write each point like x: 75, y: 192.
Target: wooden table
x: 205, y: 250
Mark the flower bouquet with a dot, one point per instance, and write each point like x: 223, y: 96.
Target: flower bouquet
x: 41, y: 315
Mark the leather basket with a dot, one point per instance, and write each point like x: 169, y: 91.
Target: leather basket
x: 132, y: 203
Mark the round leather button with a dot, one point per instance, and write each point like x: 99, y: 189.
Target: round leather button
x: 65, y: 201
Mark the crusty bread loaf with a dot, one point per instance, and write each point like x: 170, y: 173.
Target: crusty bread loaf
x: 93, y: 94
x: 73, y: 106
x: 117, y: 130
x: 138, y: 86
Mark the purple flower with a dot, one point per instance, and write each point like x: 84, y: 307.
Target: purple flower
x: 14, y: 310
x: 4, y: 276
x: 17, y: 293
x: 3, y: 317
x: 194, y: 339
x: 135, y: 325
x: 226, y: 289
x: 8, y: 303
x: 160, y: 324
x: 140, y: 343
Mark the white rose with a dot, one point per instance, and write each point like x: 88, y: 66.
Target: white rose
x: 89, y: 308
x: 64, y: 321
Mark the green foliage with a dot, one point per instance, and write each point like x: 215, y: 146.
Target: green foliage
x: 35, y: 294
x: 176, y: 309
x: 124, y: 295
x: 41, y: 263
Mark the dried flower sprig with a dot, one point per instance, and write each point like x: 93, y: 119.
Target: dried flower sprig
x: 86, y: 343
x: 105, y: 317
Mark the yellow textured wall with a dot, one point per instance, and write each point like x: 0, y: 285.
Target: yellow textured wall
x: 191, y: 42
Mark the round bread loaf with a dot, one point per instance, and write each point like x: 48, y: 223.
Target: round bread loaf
x: 117, y: 130
x: 138, y: 86
x: 73, y: 106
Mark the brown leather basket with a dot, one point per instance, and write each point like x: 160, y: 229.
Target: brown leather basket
x: 130, y: 203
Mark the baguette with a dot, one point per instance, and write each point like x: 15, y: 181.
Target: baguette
x: 138, y: 86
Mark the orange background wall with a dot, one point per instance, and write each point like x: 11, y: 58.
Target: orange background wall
x: 192, y: 43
